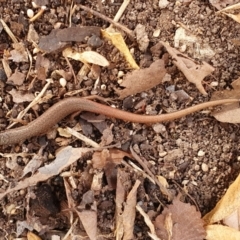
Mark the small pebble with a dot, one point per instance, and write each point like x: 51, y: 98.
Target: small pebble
x: 156, y: 33
x: 197, y: 168
x: 201, y: 153
x: 214, y: 84
x: 63, y: 82
x: 204, y: 167
x: 30, y: 13
x: 162, y: 154
x: 179, y: 142
x: 185, y: 182
x: 36, y: 50
x: 163, y: 3
x: 194, y: 183
x: 35, y: 5
x: 95, y: 41
x: 159, y: 128
x: 120, y: 74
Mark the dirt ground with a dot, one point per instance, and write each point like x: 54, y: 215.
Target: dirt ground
x: 195, y: 153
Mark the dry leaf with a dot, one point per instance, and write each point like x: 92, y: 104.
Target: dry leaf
x: 107, y: 137
x: 220, y: 232
x: 230, y: 112
x: 87, y: 199
x: 97, y: 181
x: 21, y: 226
x: 120, y: 198
x: 100, y: 159
x: 104, y: 159
x: 227, y: 205
x: 225, y: 11
x: 42, y: 66
x: 129, y: 212
x: 19, y: 54
x: 219, y: 4
x: 143, y: 79
x: 17, y: 78
x: 195, y: 73
x: 18, y: 97
x: 59, y: 38
x: 118, y: 41
x: 32, y: 35
x: 65, y: 157
x: 148, y: 221
x: 186, y: 222
x: 89, y: 222
x: 163, y: 181
x: 34, y: 163
x: 233, y: 220
x: 195, y: 46
x: 235, y: 17
x: 86, y: 57
x: 32, y: 236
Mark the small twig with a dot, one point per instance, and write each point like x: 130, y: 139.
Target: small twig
x: 232, y: 7
x: 71, y: 12
x: 6, y: 67
x: 185, y: 192
x: 8, y: 31
x: 31, y: 62
x: 118, y: 25
x: 121, y: 10
x: 78, y: 135
x: 71, y: 69
x: 144, y: 166
x: 38, y: 15
x: 33, y: 103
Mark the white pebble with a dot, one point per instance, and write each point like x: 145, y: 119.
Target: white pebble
x: 120, y: 74
x: 30, y: 13
x: 163, y: 3
x: 204, y: 167
x: 162, y: 154
x: 194, y: 183
x: 201, y: 153
x: 63, y: 82
x: 35, y: 5
x: 197, y: 168
x: 103, y: 87
x: 43, y: 7
x: 36, y: 50
x: 214, y: 84
x: 185, y: 182
x: 156, y: 33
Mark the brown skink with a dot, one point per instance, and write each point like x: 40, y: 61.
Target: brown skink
x: 70, y: 105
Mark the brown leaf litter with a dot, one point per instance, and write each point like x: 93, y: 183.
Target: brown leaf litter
x: 180, y: 221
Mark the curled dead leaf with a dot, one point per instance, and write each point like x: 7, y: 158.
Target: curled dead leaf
x: 230, y: 112
x: 86, y: 57
x: 180, y: 221
x: 195, y: 73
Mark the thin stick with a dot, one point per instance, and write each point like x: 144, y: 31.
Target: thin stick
x: 118, y: 25
x: 33, y: 103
